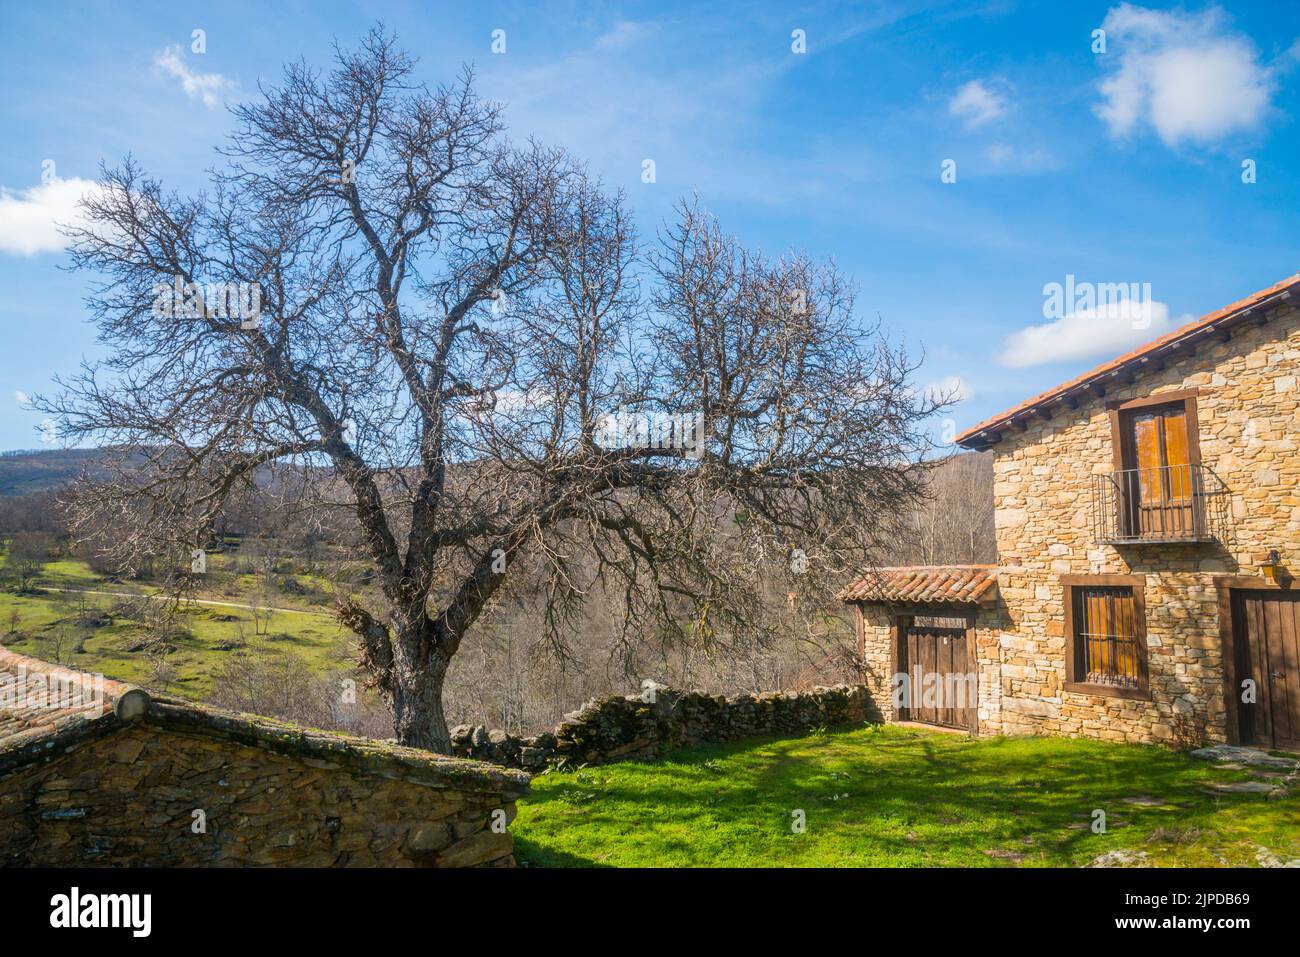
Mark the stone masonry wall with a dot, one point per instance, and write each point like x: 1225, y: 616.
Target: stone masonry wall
x: 877, y: 657
x: 1248, y: 408
x: 663, y: 719
x: 128, y: 799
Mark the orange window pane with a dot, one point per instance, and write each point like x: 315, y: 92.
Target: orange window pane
x: 1177, y: 454
x: 1147, y: 454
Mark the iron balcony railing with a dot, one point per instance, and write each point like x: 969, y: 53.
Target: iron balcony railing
x: 1172, y: 503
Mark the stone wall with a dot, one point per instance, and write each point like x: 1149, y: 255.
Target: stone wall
x: 1248, y: 408
x: 129, y: 797
x: 663, y: 719
x: 875, y: 632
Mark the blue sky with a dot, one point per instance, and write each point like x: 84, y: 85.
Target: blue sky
x: 1122, y: 166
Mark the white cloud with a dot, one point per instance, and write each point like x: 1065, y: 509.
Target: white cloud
x: 950, y: 388
x: 1102, y: 333
x: 1183, y: 74
x: 21, y: 397
x: 976, y: 104
x: 211, y: 88
x: 30, y: 219
x: 49, y: 432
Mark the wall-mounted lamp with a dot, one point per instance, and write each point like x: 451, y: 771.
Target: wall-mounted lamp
x: 1272, y: 565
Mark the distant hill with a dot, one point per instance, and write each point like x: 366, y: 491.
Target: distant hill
x: 24, y: 471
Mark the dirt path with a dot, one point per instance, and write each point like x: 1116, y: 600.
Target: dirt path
x: 196, y: 601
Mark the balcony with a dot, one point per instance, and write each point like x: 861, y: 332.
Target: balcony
x: 1169, y: 504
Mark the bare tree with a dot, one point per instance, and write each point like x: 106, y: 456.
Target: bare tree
x: 262, y: 610
x: 280, y: 684
x: 446, y: 321
x: 54, y: 642
x: 28, y: 553
x: 953, y: 521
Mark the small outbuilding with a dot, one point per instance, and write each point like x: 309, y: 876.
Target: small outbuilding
x: 97, y: 772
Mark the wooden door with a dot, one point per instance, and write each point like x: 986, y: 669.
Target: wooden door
x: 1266, y: 632
x: 1159, y: 488
x: 941, y: 690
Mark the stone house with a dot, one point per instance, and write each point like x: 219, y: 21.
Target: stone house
x: 1148, y: 528
x: 95, y: 772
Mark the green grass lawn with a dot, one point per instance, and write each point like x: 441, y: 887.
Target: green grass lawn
x: 898, y: 797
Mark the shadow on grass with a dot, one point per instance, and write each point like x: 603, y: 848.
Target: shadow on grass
x: 871, y: 797
x: 531, y: 854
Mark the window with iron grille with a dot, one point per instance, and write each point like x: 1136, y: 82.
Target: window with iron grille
x: 1106, y: 634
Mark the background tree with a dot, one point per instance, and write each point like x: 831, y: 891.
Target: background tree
x: 446, y: 319
x: 953, y: 522
x: 28, y: 554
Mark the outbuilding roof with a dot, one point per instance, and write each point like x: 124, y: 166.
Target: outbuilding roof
x: 925, y: 584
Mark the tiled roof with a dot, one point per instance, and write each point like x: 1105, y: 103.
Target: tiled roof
x: 925, y: 584
x: 40, y: 701
x: 35, y: 726
x: 1131, y: 363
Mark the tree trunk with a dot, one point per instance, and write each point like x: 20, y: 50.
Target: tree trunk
x: 416, y: 699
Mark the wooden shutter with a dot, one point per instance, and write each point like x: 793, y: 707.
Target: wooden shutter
x: 1148, y: 454
x: 1176, y: 452
x: 1106, y: 636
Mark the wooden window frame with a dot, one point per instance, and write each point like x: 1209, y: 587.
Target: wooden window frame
x: 1137, y: 583
x: 1187, y: 397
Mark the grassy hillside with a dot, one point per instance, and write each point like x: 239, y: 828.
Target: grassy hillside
x: 896, y: 797
x: 211, y: 634
x: 50, y: 626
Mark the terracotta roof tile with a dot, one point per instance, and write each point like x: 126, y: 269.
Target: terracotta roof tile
x: 40, y: 699
x: 982, y: 435
x: 925, y: 584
